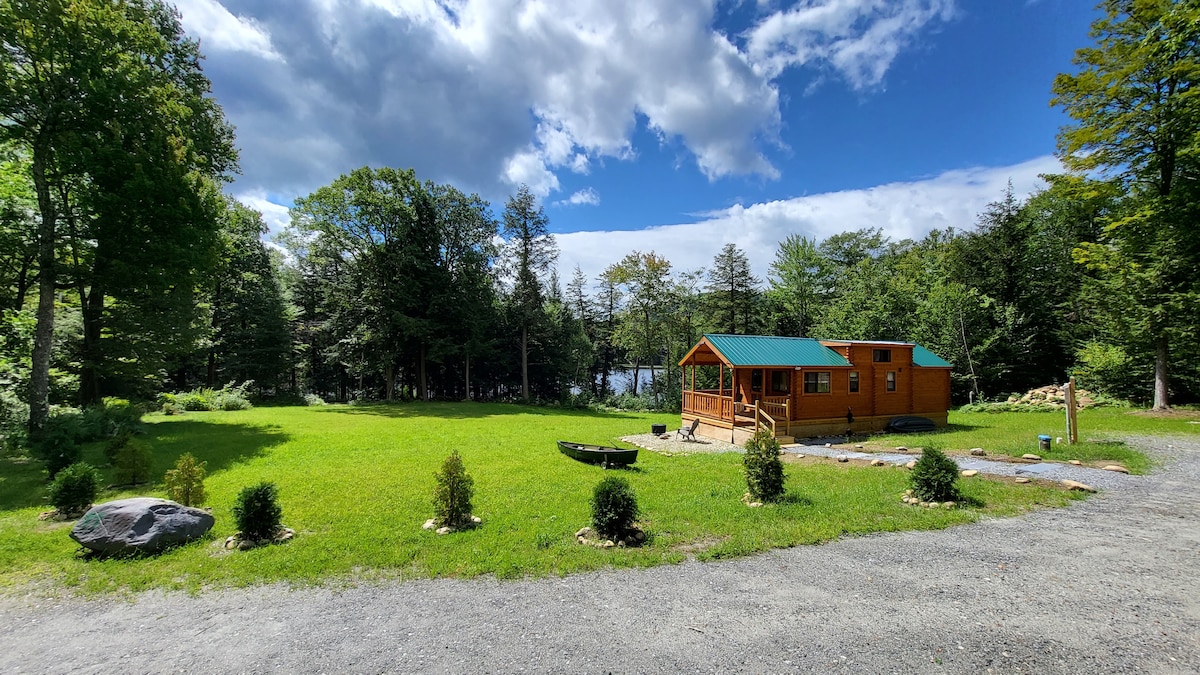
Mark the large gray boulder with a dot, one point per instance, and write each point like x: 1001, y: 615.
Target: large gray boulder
x: 142, y: 524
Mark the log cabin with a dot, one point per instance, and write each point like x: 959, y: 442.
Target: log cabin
x: 802, y: 387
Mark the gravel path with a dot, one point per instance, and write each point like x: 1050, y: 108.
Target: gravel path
x: 1105, y: 585
x: 1057, y: 471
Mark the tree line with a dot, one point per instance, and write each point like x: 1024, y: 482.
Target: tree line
x: 125, y: 271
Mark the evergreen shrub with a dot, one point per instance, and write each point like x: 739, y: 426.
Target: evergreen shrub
x: 132, y: 462
x: 935, y: 477
x: 614, y: 507
x: 764, y: 469
x: 75, y: 488
x: 256, y: 511
x: 185, y: 483
x: 452, y: 496
x: 114, y: 446
x: 58, y: 446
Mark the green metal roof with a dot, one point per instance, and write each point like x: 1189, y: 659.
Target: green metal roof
x: 762, y: 350
x: 924, y: 357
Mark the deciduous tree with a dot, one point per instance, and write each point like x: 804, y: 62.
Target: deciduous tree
x: 109, y: 101
x: 1136, y: 110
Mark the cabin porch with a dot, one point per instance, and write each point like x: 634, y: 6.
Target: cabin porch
x: 724, y: 416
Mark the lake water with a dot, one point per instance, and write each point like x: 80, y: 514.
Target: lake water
x: 621, y: 379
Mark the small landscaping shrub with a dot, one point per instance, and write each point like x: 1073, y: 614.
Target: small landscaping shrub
x: 75, y: 488
x: 313, y: 399
x: 58, y: 446
x: 614, y: 507
x: 185, y: 483
x: 132, y: 462
x: 764, y: 470
x: 257, y: 511
x: 935, y: 477
x: 452, y: 496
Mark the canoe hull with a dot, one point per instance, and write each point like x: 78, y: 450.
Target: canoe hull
x: 597, y: 454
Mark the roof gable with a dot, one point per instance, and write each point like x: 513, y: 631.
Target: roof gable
x: 764, y: 350
x: 925, y: 358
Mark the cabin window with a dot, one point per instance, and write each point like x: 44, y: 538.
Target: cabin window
x: 781, y: 381
x: 881, y: 355
x: 816, y: 383
x: 854, y: 382
x: 756, y: 379
x: 891, y: 380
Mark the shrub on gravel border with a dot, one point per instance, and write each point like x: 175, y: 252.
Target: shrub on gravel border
x: 452, y: 496
x: 764, y: 470
x: 257, y: 511
x: 934, y: 478
x: 614, y: 507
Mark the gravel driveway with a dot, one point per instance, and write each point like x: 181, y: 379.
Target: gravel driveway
x: 1106, y: 585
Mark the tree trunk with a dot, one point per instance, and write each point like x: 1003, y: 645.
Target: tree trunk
x: 22, y: 282
x: 1161, y: 355
x: 210, y: 377
x: 89, y: 370
x: 43, y: 337
x: 213, y: 326
x: 389, y: 374
x: 525, y: 363
x: 468, y: 378
x: 422, y: 382
x: 91, y: 301
x: 637, y: 374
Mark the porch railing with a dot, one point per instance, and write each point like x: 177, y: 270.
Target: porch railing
x: 777, y: 407
x: 708, y: 405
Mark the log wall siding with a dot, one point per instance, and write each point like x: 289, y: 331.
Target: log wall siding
x: 931, y: 389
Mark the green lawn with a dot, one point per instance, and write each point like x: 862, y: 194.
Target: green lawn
x: 1014, y: 434
x: 356, y: 484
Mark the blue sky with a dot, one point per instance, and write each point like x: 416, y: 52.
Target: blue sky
x: 669, y: 125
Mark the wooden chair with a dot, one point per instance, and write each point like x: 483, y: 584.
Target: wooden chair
x: 689, y: 432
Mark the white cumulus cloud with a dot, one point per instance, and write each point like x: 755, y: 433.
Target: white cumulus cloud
x: 903, y: 210
x: 218, y: 29
x: 586, y: 196
x: 858, y: 39
x: 489, y: 93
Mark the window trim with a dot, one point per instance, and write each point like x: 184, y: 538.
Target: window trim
x: 855, y: 384
x: 891, y: 380
x: 817, y: 382
x: 881, y: 356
